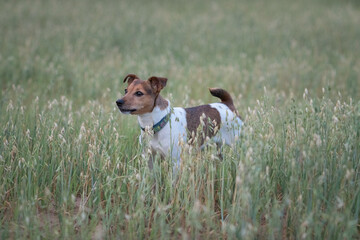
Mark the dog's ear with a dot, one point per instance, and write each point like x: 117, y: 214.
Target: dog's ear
x: 157, y: 83
x: 130, y: 78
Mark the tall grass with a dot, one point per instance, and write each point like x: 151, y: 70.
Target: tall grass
x: 71, y: 165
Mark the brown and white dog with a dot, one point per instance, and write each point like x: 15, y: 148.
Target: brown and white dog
x: 174, y: 126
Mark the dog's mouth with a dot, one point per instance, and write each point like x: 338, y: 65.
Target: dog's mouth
x: 127, y: 111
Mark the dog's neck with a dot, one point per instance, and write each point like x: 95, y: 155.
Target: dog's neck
x: 162, y: 107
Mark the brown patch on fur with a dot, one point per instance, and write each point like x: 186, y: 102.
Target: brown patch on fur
x: 225, y: 98
x: 211, y: 120
x: 161, y: 102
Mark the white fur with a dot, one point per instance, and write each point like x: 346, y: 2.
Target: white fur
x: 168, y: 140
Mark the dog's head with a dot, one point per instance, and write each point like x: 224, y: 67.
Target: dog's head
x: 140, y: 96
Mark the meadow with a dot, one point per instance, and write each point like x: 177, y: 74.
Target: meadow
x: 71, y: 166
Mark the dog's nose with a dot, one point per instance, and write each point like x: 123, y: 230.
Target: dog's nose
x: 119, y: 102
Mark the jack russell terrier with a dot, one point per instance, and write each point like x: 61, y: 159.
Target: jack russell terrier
x: 173, y: 126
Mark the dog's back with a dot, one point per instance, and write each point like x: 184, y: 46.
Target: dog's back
x: 225, y: 98
x: 212, y: 117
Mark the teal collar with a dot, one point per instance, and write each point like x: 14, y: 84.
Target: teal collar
x: 161, y: 124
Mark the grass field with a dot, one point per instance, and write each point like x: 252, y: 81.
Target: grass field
x: 70, y: 163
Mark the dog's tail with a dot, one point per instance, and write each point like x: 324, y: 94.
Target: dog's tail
x: 225, y: 98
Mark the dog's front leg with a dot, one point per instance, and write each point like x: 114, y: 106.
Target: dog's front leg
x: 147, y: 150
x: 176, y: 160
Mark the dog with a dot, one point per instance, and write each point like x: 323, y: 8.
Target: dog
x: 171, y: 127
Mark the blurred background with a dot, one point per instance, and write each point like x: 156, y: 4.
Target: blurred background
x: 83, y: 49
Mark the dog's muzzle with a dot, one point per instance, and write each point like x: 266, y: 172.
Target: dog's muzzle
x: 120, y: 103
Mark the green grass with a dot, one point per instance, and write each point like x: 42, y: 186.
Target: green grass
x: 71, y: 165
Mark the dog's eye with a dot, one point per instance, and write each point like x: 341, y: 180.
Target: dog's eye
x: 125, y: 91
x: 139, y: 94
